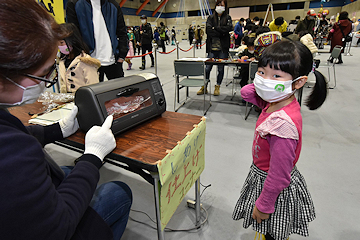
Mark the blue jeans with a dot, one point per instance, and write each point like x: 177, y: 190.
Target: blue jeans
x: 112, y: 201
x: 220, y: 67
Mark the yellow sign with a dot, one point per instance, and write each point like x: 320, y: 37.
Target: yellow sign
x: 55, y: 8
x: 179, y: 170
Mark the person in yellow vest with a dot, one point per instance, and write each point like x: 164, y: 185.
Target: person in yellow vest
x: 279, y: 24
x: 162, y: 32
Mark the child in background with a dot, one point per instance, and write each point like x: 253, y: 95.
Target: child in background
x: 274, y: 198
x: 130, y: 53
x: 76, y: 67
x: 247, y: 54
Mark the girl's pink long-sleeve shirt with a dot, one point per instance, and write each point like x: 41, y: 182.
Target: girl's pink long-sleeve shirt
x: 276, y: 146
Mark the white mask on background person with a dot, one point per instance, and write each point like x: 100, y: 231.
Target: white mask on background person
x: 30, y: 95
x: 220, y: 9
x: 251, y: 51
x: 143, y: 21
x: 273, y: 90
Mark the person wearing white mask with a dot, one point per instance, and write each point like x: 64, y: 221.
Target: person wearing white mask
x: 146, y: 37
x: 283, y: 68
x: 218, y: 28
x: 38, y: 199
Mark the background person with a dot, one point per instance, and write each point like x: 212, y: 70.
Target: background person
x: 146, y: 37
x: 191, y: 34
x: 307, y: 24
x: 199, y: 33
x: 76, y: 67
x: 238, y: 30
x: 37, y: 200
x: 218, y: 26
x: 278, y: 24
x: 103, y: 29
x: 162, y: 32
x: 336, y: 33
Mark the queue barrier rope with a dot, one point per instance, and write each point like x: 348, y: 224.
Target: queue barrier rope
x: 139, y: 55
x: 164, y: 52
x: 186, y: 50
x: 168, y: 52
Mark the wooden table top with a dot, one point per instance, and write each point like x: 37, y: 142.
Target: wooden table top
x: 146, y: 142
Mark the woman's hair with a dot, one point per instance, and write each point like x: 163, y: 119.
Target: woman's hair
x: 218, y: 2
x: 295, y: 58
x: 28, y: 37
x: 343, y: 15
x: 74, y: 40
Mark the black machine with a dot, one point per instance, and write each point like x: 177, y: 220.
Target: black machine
x: 131, y: 100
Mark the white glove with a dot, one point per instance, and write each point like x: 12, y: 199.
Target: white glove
x: 100, y: 141
x: 69, y: 124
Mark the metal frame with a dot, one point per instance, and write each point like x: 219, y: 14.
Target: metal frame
x: 335, y: 53
x: 252, y: 72
x: 190, y: 69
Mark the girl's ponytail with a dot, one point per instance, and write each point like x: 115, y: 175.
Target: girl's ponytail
x: 319, y: 92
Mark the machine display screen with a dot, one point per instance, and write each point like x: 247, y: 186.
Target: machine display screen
x: 128, y: 101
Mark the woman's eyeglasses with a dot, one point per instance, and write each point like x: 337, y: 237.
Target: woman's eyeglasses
x: 50, y: 79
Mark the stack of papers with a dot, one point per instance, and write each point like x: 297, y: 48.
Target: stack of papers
x: 53, y: 116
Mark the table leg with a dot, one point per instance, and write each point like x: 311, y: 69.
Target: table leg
x: 157, y: 206
x: 197, y: 202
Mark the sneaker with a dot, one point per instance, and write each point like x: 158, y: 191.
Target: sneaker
x: 339, y: 62
x: 201, y: 91
x: 129, y: 66
x: 152, y: 65
x: 217, y: 90
x: 142, y: 67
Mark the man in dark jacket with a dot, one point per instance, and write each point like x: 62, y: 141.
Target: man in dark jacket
x: 102, y: 26
x: 307, y: 24
x: 191, y: 33
x: 146, y: 36
x: 137, y: 38
x: 218, y: 26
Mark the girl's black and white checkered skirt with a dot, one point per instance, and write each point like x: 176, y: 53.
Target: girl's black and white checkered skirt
x: 294, y: 208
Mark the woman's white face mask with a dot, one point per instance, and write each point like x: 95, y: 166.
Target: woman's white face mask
x: 30, y: 95
x: 220, y: 9
x: 273, y: 90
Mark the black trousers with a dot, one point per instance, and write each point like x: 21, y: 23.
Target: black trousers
x: 163, y: 45
x: 147, y: 47
x: 112, y: 71
x: 198, y: 43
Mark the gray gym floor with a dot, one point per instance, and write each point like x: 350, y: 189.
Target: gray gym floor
x: 328, y: 161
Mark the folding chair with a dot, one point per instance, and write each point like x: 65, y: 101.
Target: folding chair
x: 335, y: 53
x: 232, y: 55
x: 185, y: 76
x: 253, y: 66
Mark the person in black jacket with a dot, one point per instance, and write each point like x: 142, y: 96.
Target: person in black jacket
x: 137, y: 39
x: 37, y: 199
x: 218, y: 26
x: 191, y: 34
x: 102, y: 26
x: 146, y: 36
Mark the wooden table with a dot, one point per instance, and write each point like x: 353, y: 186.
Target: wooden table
x: 137, y: 149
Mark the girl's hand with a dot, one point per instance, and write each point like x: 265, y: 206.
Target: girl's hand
x: 259, y: 216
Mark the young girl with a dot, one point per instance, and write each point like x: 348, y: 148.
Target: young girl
x: 274, y: 198
x: 130, y: 53
x: 76, y: 67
